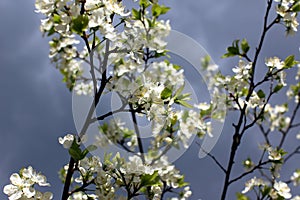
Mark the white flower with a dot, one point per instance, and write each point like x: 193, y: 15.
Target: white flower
x: 282, y: 189
x: 84, y: 88
x: 274, y: 62
x: 79, y: 196
x: 136, y: 166
x: 190, y: 124
x: 203, y: 106
x: 186, y: 193
x: 274, y: 154
x: 43, y: 196
x: 66, y: 141
x: 296, y: 177
x: 45, y: 7
x: 252, y: 183
x: 275, y: 116
x: 31, y: 174
x: 115, y: 7
x: 22, y: 185
x: 12, y: 191
x: 242, y: 70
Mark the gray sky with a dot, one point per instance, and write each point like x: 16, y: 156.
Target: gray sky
x: 35, y: 106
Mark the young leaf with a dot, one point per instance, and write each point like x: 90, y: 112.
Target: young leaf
x: 177, y: 67
x: 232, y: 50
x: 184, y: 103
x: 91, y: 148
x: 277, y: 88
x: 181, y: 182
x: 178, y: 92
x: 56, y: 18
x: 261, y: 94
x: 136, y: 14
x: 80, y: 23
x: 158, y: 10
x: 241, y: 196
x: 296, y: 7
x: 144, y: 3
x: 75, y: 151
x: 245, y: 46
x: 290, y: 61
x: 166, y: 93
x: 150, y: 179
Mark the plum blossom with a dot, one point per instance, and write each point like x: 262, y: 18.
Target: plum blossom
x: 249, y: 185
x: 276, y: 117
x: 295, y: 178
x: 274, y: 154
x: 22, y: 185
x: 282, y: 189
x: 288, y: 17
x: 84, y: 88
x: 242, y: 71
x: 274, y: 62
x: 66, y: 141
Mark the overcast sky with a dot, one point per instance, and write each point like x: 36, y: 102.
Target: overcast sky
x: 36, y: 109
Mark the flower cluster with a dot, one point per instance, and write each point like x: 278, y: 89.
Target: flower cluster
x: 22, y: 185
x: 287, y: 10
x: 125, y: 42
x: 116, y: 133
x: 278, y: 189
x: 294, y: 90
x: 249, y: 185
x: 107, y: 177
x: 275, y: 117
x: 295, y: 178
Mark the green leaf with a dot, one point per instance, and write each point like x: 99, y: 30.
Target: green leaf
x: 261, y: 94
x: 56, y: 18
x: 245, y: 46
x: 103, y: 129
x: 79, y: 24
x: 232, y: 50
x: 158, y: 55
x: 205, y: 61
x: 185, y: 115
x: 166, y: 93
x: 290, y: 61
x: 184, y: 103
x: 227, y: 55
x: 265, y: 191
x: 179, y: 91
x: 91, y: 148
x: 241, y: 196
x: 51, y: 31
x: 150, y: 179
x: 75, y: 151
x: 181, y: 182
x: 127, y: 133
x: 158, y: 10
x: 136, y: 14
x: 145, y: 3
x: 278, y: 88
x: 296, y: 7
x: 177, y: 67
x: 151, y: 23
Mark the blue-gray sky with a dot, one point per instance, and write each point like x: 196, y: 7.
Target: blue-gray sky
x: 35, y: 106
